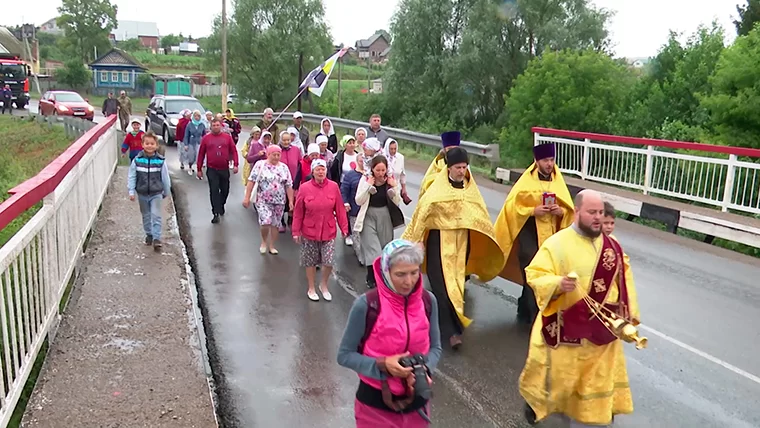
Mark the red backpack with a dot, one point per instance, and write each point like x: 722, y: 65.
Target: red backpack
x: 373, y: 311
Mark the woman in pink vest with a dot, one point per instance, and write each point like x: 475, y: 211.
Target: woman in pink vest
x: 317, y: 207
x: 404, y: 323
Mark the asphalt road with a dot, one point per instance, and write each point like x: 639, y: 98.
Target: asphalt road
x: 273, y: 351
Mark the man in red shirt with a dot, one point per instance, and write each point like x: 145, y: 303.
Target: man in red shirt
x: 217, y: 149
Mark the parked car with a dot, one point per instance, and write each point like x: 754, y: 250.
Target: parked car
x: 66, y: 103
x: 162, y: 114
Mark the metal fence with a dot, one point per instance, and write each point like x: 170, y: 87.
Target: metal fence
x: 74, y: 126
x: 707, y: 174
x: 37, y: 263
x: 487, y: 151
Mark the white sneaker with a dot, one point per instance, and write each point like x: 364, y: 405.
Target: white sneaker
x: 349, y: 241
x: 190, y: 172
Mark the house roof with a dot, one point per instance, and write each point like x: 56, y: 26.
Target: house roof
x: 117, y: 56
x: 366, y: 43
x: 126, y: 30
x: 10, y: 43
x: 385, y: 52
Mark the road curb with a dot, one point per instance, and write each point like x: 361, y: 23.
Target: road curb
x: 195, y: 311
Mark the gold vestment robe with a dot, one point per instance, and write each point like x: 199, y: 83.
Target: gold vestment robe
x: 438, y: 164
x: 526, y: 195
x: 587, y: 383
x: 455, y: 212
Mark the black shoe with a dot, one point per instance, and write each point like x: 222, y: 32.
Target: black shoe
x: 215, y: 220
x: 157, y: 245
x: 148, y: 240
x: 530, y: 415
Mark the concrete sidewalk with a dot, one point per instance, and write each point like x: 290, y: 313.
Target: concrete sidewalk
x: 127, y: 352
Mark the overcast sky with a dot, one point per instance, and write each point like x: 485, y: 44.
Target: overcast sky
x: 639, y: 28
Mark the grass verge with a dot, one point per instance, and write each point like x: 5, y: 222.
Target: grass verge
x: 26, y: 148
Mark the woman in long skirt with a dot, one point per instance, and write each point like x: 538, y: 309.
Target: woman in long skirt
x: 378, y: 196
x: 194, y: 132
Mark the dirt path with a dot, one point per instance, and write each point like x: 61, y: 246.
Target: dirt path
x: 126, y: 353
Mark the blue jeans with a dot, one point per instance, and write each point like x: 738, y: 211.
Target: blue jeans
x: 150, y: 207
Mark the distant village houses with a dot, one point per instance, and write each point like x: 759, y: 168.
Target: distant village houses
x: 145, y: 32
x: 376, y: 48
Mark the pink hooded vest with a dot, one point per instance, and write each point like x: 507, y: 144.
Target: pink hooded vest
x: 402, y: 326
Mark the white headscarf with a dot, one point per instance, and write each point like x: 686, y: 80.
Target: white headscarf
x: 322, y: 139
x: 387, y: 150
x: 313, y: 148
x: 318, y: 162
x: 356, y: 133
x: 296, y: 142
x: 321, y: 124
x: 373, y: 144
x: 263, y: 133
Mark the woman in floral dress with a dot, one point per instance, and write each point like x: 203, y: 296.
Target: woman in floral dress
x: 275, y: 189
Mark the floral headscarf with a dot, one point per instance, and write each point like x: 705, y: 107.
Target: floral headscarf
x: 385, y: 259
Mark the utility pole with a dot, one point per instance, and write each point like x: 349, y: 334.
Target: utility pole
x: 224, y: 56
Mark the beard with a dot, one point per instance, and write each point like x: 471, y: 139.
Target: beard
x: 588, y: 231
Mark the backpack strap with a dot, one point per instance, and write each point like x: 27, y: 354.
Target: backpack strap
x: 373, y: 310
x: 428, y: 302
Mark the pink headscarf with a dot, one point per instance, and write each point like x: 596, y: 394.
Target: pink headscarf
x: 272, y: 148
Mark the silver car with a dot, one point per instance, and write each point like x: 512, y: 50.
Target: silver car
x: 162, y: 114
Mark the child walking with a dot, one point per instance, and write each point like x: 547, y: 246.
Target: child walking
x: 608, y: 222
x: 133, y: 141
x: 149, y: 183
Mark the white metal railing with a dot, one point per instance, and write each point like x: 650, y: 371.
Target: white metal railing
x: 38, y: 262
x: 710, y: 177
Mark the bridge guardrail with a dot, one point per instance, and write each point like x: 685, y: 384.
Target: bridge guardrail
x: 37, y: 263
x: 487, y: 151
x: 716, y: 178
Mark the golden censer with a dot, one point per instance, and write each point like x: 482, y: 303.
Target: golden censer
x: 617, y: 325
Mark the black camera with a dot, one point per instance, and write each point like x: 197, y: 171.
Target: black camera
x: 419, y: 368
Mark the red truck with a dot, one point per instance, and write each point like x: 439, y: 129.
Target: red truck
x: 15, y: 73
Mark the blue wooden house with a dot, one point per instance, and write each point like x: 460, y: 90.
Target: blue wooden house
x: 115, y: 71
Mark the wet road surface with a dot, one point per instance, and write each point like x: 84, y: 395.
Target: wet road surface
x: 273, y: 351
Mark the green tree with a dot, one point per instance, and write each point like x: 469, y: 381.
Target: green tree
x: 735, y: 100
x: 577, y: 90
x: 170, y: 40
x: 87, y: 24
x: 749, y: 14
x: 132, y: 45
x: 472, y: 50
x: 667, y: 98
x: 264, y: 41
x: 426, y: 36
x: 73, y: 74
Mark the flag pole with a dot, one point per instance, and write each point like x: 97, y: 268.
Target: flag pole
x: 279, y: 115
x: 305, y: 87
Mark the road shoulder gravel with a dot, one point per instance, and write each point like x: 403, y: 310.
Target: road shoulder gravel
x: 127, y: 352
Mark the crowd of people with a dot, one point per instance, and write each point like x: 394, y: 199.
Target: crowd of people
x: 559, y: 248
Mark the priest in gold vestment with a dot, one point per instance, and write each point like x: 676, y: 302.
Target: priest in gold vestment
x: 575, y: 366
x: 538, y: 206
x: 452, y: 221
x: 449, y: 140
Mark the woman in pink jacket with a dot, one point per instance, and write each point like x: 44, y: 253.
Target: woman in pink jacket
x: 318, y: 204
x: 404, y: 319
